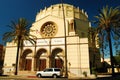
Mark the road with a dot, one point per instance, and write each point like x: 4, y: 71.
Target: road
x: 117, y: 77
x: 33, y: 78
x: 28, y: 78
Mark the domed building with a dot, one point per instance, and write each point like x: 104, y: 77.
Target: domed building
x: 58, y: 35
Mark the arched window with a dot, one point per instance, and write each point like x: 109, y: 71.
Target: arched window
x: 71, y: 26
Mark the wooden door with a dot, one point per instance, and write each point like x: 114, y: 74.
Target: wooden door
x: 28, y: 64
x: 58, y: 63
x: 42, y: 64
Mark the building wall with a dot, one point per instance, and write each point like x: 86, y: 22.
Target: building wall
x: 10, y: 57
x: 78, y: 55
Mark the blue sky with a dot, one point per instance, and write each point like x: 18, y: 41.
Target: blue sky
x: 15, y: 9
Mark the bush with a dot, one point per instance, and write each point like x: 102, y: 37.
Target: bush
x: 85, y: 73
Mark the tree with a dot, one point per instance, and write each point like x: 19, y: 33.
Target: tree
x: 93, y: 49
x: 117, y: 60
x: 108, y: 20
x: 92, y: 36
x: 19, y: 31
x: 92, y: 44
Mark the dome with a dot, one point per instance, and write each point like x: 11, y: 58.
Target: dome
x: 57, y: 11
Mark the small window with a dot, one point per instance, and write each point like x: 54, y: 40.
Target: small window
x: 59, y: 6
x: 13, y: 65
x: 71, y: 26
x: 82, y: 34
x: 52, y: 7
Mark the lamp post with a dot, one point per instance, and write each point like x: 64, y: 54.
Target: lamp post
x: 66, y: 69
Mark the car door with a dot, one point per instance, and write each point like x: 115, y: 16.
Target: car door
x: 48, y: 72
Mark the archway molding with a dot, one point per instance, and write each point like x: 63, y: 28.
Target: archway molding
x: 40, y: 59
x: 26, y: 60
x: 56, y: 58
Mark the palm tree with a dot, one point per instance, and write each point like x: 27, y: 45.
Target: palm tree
x: 93, y: 48
x: 19, y: 32
x: 107, y: 20
x: 92, y: 43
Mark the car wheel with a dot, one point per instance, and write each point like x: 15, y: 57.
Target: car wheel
x: 54, y: 76
x: 39, y: 75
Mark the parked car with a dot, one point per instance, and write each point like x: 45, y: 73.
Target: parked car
x: 50, y: 72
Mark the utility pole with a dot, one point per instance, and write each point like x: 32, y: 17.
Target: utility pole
x: 66, y: 69
x: 50, y: 62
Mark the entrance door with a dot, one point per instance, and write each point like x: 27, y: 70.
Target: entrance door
x: 42, y: 64
x: 28, y: 64
x: 58, y: 63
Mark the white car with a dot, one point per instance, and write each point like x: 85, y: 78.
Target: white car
x: 50, y: 72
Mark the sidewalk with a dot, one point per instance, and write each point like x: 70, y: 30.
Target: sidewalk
x: 99, y: 77
x: 82, y: 77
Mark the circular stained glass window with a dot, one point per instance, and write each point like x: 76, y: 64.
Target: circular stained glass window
x: 48, y: 29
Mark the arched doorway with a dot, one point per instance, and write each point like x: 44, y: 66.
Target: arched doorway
x: 26, y: 60
x: 40, y: 59
x: 56, y: 58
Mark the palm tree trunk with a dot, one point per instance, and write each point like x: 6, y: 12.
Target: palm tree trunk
x: 111, y: 52
x: 104, y: 67
x: 17, y: 56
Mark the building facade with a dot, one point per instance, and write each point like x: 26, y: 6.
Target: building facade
x: 49, y: 51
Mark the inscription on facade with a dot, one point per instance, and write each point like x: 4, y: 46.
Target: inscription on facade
x: 58, y: 41
x: 54, y: 41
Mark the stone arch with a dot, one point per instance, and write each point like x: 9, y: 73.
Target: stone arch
x: 56, y: 58
x: 26, y: 60
x: 40, y: 59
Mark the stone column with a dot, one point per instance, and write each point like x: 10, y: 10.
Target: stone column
x: 47, y: 62
x: 32, y: 69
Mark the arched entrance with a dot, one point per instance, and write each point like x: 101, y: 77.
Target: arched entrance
x: 56, y: 58
x: 26, y: 60
x: 40, y: 59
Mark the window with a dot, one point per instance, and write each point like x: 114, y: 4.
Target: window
x: 48, y: 70
x: 71, y: 26
x: 48, y: 29
x: 57, y: 69
x: 82, y: 34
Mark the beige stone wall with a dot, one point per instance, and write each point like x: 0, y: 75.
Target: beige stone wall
x: 10, y: 59
x: 37, y: 26
x: 78, y: 55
